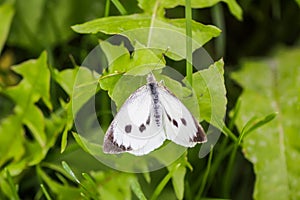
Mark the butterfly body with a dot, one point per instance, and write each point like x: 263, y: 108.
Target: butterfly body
x: 148, y: 117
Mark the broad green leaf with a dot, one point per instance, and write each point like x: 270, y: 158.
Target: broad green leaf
x: 37, y: 78
x: 272, y: 85
x: 298, y: 2
x: 148, y: 6
x: 6, y: 15
x: 159, y: 34
x: 210, y: 91
x: 34, y: 85
x: 113, y: 24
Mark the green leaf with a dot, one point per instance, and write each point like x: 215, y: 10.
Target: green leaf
x: 18, y: 151
x: 36, y: 81
x: 34, y: 85
x: 133, y: 67
x: 114, y: 185
x: 11, y: 144
x: 210, y: 90
x: 66, y: 79
x: 6, y: 15
x: 164, y: 33
x: 46, y: 193
x: 255, y: 123
x: 272, y: 85
x: 136, y: 188
x: 13, y: 187
x: 298, y: 2
x: 80, y: 141
x: 178, y: 181
x: 61, y: 191
x: 148, y: 6
x: 85, y: 86
x: 69, y: 170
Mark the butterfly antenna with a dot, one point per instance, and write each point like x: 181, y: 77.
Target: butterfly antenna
x: 160, y: 60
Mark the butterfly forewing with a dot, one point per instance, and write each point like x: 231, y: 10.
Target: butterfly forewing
x: 134, y: 128
x: 180, y: 125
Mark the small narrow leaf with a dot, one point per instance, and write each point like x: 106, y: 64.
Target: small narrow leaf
x: 47, y: 195
x: 13, y: 187
x: 136, y: 188
x: 70, y: 172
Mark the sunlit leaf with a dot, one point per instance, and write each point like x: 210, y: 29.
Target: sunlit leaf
x: 210, y: 91
x: 148, y: 6
x: 164, y: 33
x: 272, y: 85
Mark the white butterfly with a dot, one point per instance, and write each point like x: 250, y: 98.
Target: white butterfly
x: 149, y: 116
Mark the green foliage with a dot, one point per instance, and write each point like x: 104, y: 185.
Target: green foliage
x: 17, y: 150
x: 47, y: 25
x: 210, y: 92
x: 6, y: 15
x: 148, y: 6
x: 43, y: 157
x: 271, y: 85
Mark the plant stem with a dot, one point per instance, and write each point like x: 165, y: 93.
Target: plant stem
x: 107, y: 7
x: 218, y: 20
x: 161, y: 186
x: 227, y: 178
x: 189, y: 56
x: 163, y: 183
x: 119, y: 6
x: 204, y: 180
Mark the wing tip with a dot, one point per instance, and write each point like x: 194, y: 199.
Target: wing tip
x: 110, y: 146
x: 200, y: 136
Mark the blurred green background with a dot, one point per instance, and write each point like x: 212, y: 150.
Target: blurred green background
x: 268, y: 31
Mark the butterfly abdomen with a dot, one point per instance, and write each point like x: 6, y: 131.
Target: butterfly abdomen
x: 156, y: 106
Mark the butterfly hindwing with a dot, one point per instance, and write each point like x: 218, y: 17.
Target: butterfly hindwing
x: 134, y: 129
x: 180, y: 125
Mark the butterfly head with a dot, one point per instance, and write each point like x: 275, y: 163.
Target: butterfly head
x: 151, y: 78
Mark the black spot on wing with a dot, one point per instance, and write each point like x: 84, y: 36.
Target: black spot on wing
x: 169, y: 118
x: 142, y: 128
x: 128, y: 128
x: 148, y: 120
x: 175, y: 123
x: 183, y: 121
